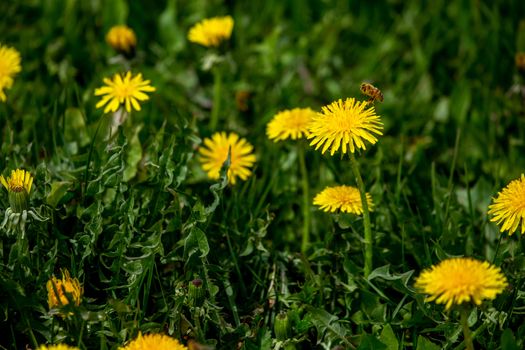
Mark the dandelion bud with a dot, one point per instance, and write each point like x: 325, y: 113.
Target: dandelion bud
x: 18, y: 186
x: 122, y: 39
x: 196, y: 292
x: 19, y: 201
x: 282, y: 328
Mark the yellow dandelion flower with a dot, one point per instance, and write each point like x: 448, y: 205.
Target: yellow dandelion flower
x: 508, y: 209
x: 122, y: 38
x: 290, y: 124
x: 9, y: 67
x: 57, y: 347
x: 215, y: 152
x: 211, y: 31
x: 20, y: 180
x: 345, y: 125
x: 459, y: 280
x: 154, y: 342
x: 61, y: 291
x: 123, y: 90
x: 344, y: 198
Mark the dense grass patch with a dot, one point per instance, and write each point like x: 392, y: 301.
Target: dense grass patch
x: 158, y: 247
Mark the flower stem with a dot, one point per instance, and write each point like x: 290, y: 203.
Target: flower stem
x: 466, y: 330
x: 31, y: 334
x: 497, y: 249
x: 306, y: 198
x: 91, y: 147
x: 366, y: 215
x: 216, y: 107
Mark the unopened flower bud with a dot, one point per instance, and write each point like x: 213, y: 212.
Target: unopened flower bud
x: 282, y: 327
x: 196, y: 292
x: 122, y: 39
x: 19, y: 201
x: 18, y: 186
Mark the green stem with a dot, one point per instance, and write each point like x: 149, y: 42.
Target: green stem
x: 90, y: 154
x: 236, y: 264
x: 197, y: 324
x: 366, y: 216
x: 216, y: 107
x: 31, y: 334
x: 79, y: 343
x: 480, y: 329
x: 497, y: 249
x: 466, y: 330
x: 215, y: 314
x: 306, y: 198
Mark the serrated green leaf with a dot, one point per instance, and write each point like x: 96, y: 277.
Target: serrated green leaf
x: 507, y: 340
x: 133, y: 154
x: 196, y: 241
x: 388, y: 338
x: 369, y: 342
x: 57, y: 192
x: 324, y: 321
x: 425, y: 344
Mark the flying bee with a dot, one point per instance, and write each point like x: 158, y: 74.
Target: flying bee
x: 372, y: 92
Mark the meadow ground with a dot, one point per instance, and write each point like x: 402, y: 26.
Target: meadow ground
x: 126, y: 224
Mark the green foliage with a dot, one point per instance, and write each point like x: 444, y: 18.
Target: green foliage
x: 131, y: 214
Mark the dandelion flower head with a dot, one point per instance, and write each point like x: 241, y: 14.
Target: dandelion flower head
x: 121, y: 38
x: 212, y: 31
x: 346, y: 125
x: 61, y: 291
x: 9, y: 67
x: 154, y: 342
x: 459, y: 280
x: 57, y: 347
x: 508, y: 209
x: 215, y: 152
x: 290, y: 124
x: 344, y: 198
x: 126, y: 90
x: 19, y: 180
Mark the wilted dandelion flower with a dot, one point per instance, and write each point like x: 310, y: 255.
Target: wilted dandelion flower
x: 123, y: 90
x: 61, y: 291
x: 508, y: 209
x: 290, y: 124
x: 345, y: 125
x: 154, y: 342
x: 343, y: 198
x: 57, y: 347
x: 211, y: 31
x: 459, y: 280
x: 122, y: 38
x: 9, y: 67
x: 215, y: 152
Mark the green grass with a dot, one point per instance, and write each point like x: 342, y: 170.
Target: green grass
x: 136, y: 219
